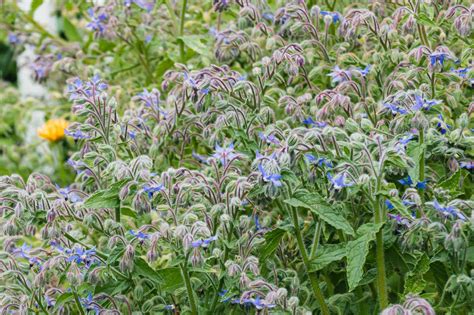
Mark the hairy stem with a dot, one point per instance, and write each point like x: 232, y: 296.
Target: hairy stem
x: 381, y: 278
x: 181, y: 28
x: 311, y: 275
x: 189, y: 289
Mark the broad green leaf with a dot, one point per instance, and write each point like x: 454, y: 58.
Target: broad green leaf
x: 107, y: 198
x: 272, y: 240
x: 327, y: 254
x: 323, y: 210
x: 70, y: 31
x: 128, y: 212
x: 452, y: 183
x: 414, y: 282
x: 169, y: 279
x: 194, y: 42
x: 35, y: 5
x: 357, y: 251
x: 63, y: 299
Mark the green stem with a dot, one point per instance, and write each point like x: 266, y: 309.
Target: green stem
x: 421, y: 174
x: 78, y: 302
x: 317, y: 236
x: 381, y: 278
x: 117, y: 214
x: 181, y: 28
x: 189, y: 289
x: 311, y: 275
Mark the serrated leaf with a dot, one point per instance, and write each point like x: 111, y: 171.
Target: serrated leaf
x: 272, y: 240
x: 327, y: 254
x: 414, y: 282
x: 357, y: 251
x: 323, y: 210
x: 451, y: 183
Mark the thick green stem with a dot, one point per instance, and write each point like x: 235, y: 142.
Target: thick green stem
x: 381, y: 278
x: 317, y: 236
x: 117, y: 214
x: 189, y: 289
x: 78, y: 302
x: 311, y: 275
x: 181, y: 28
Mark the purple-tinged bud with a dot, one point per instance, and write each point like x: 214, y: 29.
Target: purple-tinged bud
x: 126, y: 263
x: 282, y: 293
x: 181, y: 231
x: 244, y: 280
x: 18, y: 210
x: 196, y: 257
x: 187, y: 241
x: 396, y: 309
x: 340, y: 121
x: 10, y: 227
x: 94, y: 276
x: 30, y: 229
x: 74, y: 275
x: 417, y: 304
x: 152, y: 254
x: 232, y: 268
x: 453, y: 165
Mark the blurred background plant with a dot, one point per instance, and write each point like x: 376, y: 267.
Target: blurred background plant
x: 273, y: 156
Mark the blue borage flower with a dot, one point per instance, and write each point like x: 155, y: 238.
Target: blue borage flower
x: 69, y: 194
x: 389, y: 204
x: 311, y: 122
x: 449, y: 211
x: 89, y: 304
x: 152, y: 188
x: 146, y: 5
x: 258, y: 303
x: 268, y: 139
x: 339, y: 75
x: 257, y: 222
x: 406, y: 203
x: 461, y: 72
x: 364, y: 72
x: 438, y: 58
x: 139, y: 235
x: 24, y: 252
x: 336, y: 16
x: 222, y: 294
x: 318, y: 161
x: 49, y: 301
x: 76, y: 134
x: 469, y: 165
x: 394, y: 109
x: 224, y: 154
x: 97, y: 21
x: 274, y: 179
x: 79, y: 255
x: 442, y: 126
x: 425, y: 104
x: 339, y: 181
x: 204, y: 242
x: 407, y: 181
x: 200, y: 158
x: 259, y: 157
x: 399, y: 219
x: 13, y: 39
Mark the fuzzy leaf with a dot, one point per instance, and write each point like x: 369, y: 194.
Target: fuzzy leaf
x: 107, y: 198
x: 357, y: 251
x: 194, y: 42
x: 328, y: 254
x: 323, y: 210
x: 272, y: 240
x: 169, y: 279
x: 414, y: 282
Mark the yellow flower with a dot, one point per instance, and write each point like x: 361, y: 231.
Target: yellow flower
x: 53, y: 129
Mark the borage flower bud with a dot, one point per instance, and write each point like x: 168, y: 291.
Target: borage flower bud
x: 293, y: 302
x: 244, y: 279
x: 126, y: 263
x: 74, y: 275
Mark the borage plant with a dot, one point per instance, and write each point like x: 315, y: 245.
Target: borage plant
x: 327, y: 168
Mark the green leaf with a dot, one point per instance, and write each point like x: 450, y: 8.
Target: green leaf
x: 169, y: 279
x: 35, y: 5
x: 423, y: 19
x: 272, y: 240
x: 357, y: 251
x: 323, y: 210
x: 63, y: 299
x: 327, y: 254
x: 128, y: 212
x: 414, y: 282
x: 161, y: 67
x: 70, y: 31
x: 452, y: 183
x: 194, y: 42
x: 107, y: 198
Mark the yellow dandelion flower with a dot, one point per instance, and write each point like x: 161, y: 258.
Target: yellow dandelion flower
x: 53, y: 129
